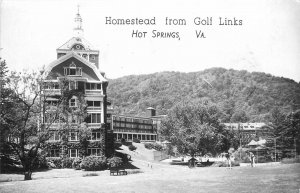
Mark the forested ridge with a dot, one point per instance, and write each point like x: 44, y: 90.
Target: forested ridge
x: 240, y: 95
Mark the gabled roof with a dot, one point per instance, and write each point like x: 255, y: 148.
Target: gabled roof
x: 70, y: 55
x: 76, y: 40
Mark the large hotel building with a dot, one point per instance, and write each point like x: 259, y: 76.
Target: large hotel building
x: 78, y: 63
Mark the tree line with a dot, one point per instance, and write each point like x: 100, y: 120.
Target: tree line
x: 240, y: 95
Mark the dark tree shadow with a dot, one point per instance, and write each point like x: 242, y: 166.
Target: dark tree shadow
x: 129, y: 165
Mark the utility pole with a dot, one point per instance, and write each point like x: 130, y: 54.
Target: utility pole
x: 275, y: 149
x: 240, y: 135
x: 295, y: 148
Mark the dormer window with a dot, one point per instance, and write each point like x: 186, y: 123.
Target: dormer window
x: 72, y: 70
x: 73, y: 102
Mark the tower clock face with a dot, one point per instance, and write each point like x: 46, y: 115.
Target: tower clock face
x: 77, y: 47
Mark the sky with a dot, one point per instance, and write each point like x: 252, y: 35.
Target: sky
x: 267, y: 41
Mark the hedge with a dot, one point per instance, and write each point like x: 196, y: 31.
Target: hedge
x: 93, y: 163
x: 114, y: 161
x: 155, y: 146
x: 131, y: 147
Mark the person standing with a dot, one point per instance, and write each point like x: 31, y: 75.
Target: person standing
x: 228, y: 157
x: 252, y: 159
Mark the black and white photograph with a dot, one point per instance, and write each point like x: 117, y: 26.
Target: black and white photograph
x: 150, y: 96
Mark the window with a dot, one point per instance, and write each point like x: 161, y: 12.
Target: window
x: 72, y: 70
x: 94, y: 151
x: 73, y: 136
x: 94, y: 103
x: 54, y: 136
x: 93, y: 57
x: 73, y: 85
x: 95, y: 136
x: 93, y: 118
x: 93, y: 86
x: 52, y: 102
x: 72, y: 102
x: 73, y: 153
x: 54, y: 153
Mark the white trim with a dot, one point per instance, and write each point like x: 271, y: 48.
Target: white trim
x: 75, y: 55
x: 96, y: 151
x: 76, y: 136
x: 75, y: 150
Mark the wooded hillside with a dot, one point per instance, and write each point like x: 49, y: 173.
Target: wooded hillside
x: 240, y: 95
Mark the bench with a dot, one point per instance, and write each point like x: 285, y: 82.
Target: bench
x: 118, y: 171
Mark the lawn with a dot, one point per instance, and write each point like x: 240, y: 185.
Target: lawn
x: 162, y: 178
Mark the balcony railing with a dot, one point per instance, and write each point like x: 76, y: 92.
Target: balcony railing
x: 93, y: 92
x: 94, y: 108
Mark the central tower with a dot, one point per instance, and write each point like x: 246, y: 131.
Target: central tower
x: 79, y: 44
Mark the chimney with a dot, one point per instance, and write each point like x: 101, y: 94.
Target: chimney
x: 150, y: 112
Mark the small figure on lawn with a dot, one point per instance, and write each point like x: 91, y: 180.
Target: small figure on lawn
x: 252, y: 159
x: 228, y: 157
x: 192, y: 162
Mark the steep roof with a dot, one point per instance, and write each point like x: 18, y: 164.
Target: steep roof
x: 74, y: 55
x: 76, y: 40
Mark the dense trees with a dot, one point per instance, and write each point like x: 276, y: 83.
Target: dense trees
x: 21, y: 115
x: 286, y: 129
x: 254, y: 94
x: 194, y: 128
x: 28, y: 111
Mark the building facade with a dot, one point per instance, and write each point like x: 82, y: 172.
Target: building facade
x: 249, y: 131
x: 134, y: 127
x: 75, y: 74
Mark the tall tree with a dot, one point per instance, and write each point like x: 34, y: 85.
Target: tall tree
x: 5, y: 104
x: 24, y: 109
x: 286, y: 128
x: 194, y: 128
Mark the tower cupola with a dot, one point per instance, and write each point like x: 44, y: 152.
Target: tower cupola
x: 78, y: 30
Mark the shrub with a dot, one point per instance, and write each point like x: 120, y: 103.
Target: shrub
x: 76, y: 163
x: 114, y: 161
x: 125, y: 157
x: 10, y: 164
x: 117, y: 145
x: 54, y: 162
x: 155, y: 146
x: 123, y: 141
x: 41, y: 162
x: 148, y: 145
x: 58, y: 162
x: 132, y: 147
x: 135, y: 140
x: 67, y: 162
x: 93, y: 163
